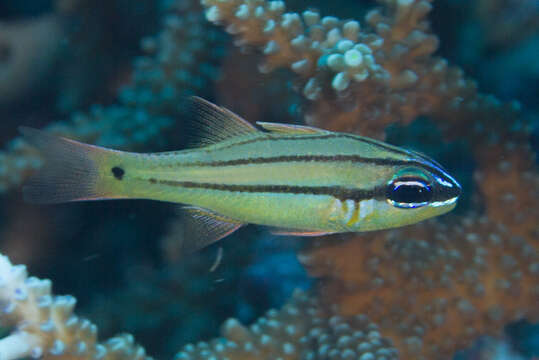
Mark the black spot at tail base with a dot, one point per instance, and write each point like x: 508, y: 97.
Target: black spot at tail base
x: 118, y: 172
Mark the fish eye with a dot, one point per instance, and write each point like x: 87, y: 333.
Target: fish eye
x: 409, y: 192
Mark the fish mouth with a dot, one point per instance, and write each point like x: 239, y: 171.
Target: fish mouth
x: 450, y: 202
x: 454, y: 191
x: 448, y: 193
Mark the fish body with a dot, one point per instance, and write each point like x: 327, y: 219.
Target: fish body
x: 305, y: 180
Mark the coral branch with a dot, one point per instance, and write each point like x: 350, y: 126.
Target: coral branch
x: 356, y: 77
x: 507, y: 179
x: 302, y: 329
x: 304, y: 43
x: 364, y: 275
x: 432, y: 288
x: 328, y: 55
x: 44, y: 325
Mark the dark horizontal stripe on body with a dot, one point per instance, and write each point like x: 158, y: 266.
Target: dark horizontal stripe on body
x: 338, y: 192
x: 426, y: 163
x: 377, y: 161
x: 298, y: 158
x: 320, y: 158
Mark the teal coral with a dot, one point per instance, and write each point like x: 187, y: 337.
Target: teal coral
x: 180, y: 61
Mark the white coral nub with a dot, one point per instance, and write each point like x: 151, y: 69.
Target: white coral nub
x: 45, y: 325
x: 353, y: 58
x: 13, y: 297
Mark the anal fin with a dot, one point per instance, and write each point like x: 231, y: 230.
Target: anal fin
x: 203, y: 227
x: 296, y: 232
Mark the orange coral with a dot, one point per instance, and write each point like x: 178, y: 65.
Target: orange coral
x: 417, y: 82
x: 510, y: 186
x: 433, y: 287
x: 447, y: 284
x: 354, y: 77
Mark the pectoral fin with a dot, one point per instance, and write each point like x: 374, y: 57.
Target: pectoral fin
x: 203, y: 227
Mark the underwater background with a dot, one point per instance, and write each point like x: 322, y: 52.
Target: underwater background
x: 457, y: 80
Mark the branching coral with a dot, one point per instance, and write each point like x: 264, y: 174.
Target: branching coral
x: 508, y: 181
x: 325, y: 52
x: 179, y: 61
x: 289, y: 40
x: 445, y: 284
x: 302, y: 329
x: 44, y: 325
x: 356, y: 77
x: 433, y: 288
x: 416, y: 83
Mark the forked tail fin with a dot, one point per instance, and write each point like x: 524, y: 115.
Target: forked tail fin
x: 72, y: 170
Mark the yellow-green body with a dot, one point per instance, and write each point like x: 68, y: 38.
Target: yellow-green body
x: 159, y: 177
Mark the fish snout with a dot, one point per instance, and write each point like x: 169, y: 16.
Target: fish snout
x: 449, y: 190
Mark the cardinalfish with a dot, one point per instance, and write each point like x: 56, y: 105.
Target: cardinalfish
x: 297, y: 180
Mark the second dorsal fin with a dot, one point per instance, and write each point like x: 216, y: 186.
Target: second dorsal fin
x: 212, y: 124
x: 289, y: 128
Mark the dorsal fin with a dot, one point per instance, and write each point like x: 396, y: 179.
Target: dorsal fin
x: 212, y: 124
x: 289, y: 128
x: 202, y: 227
